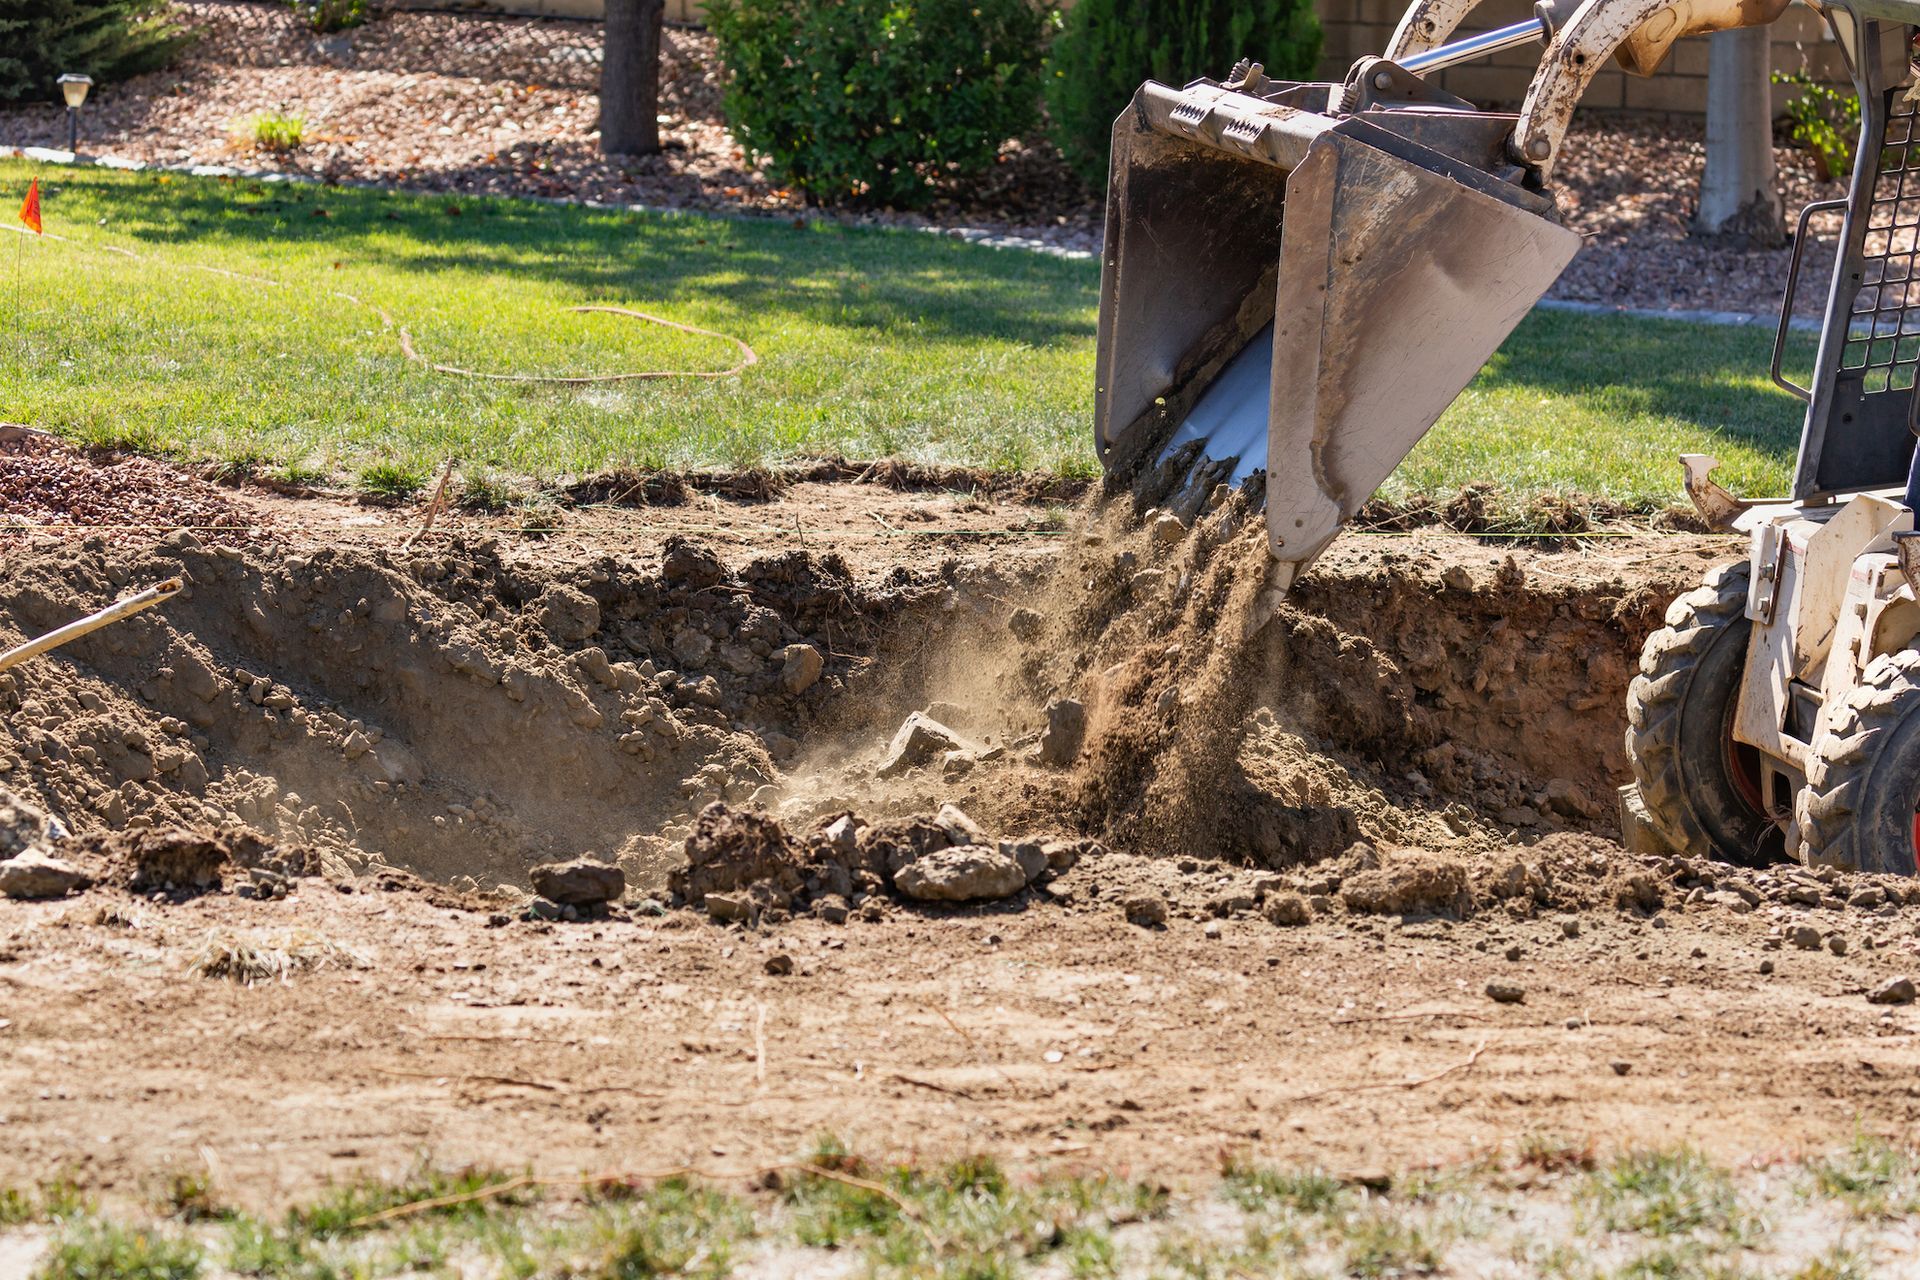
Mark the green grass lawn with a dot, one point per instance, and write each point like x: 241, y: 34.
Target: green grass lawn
x: 872, y: 343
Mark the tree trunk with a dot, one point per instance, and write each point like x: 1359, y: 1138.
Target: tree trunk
x: 630, y: 78
x: 1738, y: 192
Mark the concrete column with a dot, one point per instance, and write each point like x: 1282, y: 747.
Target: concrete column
x: 1738, y: 191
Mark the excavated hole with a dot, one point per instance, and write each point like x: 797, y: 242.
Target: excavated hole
x: 468, y: 712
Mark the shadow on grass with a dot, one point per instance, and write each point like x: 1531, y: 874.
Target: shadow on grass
x: 1712, y: 376
x: 883, y: 281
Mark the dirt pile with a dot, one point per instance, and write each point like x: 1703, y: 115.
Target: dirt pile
x: 462, y: 712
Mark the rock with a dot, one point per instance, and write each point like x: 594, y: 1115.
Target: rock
x: 1620, y: 1068
x: 1893, y: 991
x: 1867, y: 898
x: 567, y: 614
x: 1564, y: 798
x: 780, y: 964
x: 24, y: 827
x: 1026, y: 624
x: 37, y: 874
x: 1506, y: 993
x: 959, y: 827
x: 830, y: 907
x: 174, y: 858
x: 1766, y: 967
x: 1145, y: 910
x: 1288, y: 910
x: 955, y: 765
x: 690, y: 647
x: 581, y: 882
x: 1570, y: 927
x: 1028, y: 856
x: 1064, y: 855
x: 1212, y: 929
x: 1805, y: 937
x: 726, y: 908
x: 1455, y: 578
x: 919, y: 740
x: 1165, y: 529
x: 843, y: 834
x: 1637, y: 832
x: 1837, y: 944
x: 1066, y: 731
x: 968, y: 873
x: 800, y: 667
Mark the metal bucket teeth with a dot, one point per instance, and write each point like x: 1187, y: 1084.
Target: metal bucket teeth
x: 1301, y: 295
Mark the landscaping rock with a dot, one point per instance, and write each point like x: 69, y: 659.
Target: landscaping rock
x: 581, y: 882
x: 968, y: 873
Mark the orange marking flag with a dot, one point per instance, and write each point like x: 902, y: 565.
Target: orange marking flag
x: 30, y: 208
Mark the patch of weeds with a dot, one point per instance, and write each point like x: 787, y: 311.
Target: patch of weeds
x: 1872, y: 1178
x: 247, y: 959
x: 487, y: 490
x: 1089, y: 1254
x: 275, y: 130
x: 391, y: 481
x: 93, y: 1250
x: 300, y: 475
x: 1381, y: 1244
x: 541, y: 517
x: 1837, y: 1263
x: 1663, y: 1193
x: 1551, y: 1153
x: 253, y: 1248
x: 965, y: 1218
x: 341, y: 1211
x: 675, y: 1229
x: 1260, y: 1251
x: 61, y: 1199
x: 1256, y: 1187
x: 189, y: 1196
x: 1681, y: 1260
x: 16, y: 1207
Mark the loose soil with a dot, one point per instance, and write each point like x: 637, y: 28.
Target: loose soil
x: 333, y: 762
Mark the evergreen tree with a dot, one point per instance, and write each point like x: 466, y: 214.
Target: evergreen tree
x: 40, y: 40
x: 1109, y: 47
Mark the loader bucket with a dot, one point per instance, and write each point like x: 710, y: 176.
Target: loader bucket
x: 1296, y: 293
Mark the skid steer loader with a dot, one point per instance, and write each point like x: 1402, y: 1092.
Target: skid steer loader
x: 1299, y: 278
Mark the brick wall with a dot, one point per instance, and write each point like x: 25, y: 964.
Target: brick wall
x: 1356, y: 28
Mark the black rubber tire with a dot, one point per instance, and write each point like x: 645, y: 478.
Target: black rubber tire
x: 1856, y: 811
x: 1679, y: 709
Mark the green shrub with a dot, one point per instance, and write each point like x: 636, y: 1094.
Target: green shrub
x: 41, y: 40
x: 325, y: 16
x: 1108, y: 47
x: 1826, y: 121
x: 879, y: 102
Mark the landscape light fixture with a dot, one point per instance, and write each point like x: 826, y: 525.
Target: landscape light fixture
x: 73, y: 88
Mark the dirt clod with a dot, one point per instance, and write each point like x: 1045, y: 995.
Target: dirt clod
x: 965, y: 873
x: 581, y: 882
x: 1506, y: 993
x: 1412, y: 884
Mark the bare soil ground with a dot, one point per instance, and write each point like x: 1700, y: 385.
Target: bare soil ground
x: 1281, y: 871
x: 459, y: 103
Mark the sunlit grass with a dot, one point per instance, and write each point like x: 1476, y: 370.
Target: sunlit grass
x: 872, y: 343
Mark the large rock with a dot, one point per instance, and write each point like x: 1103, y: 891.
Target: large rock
x: 37, y: 874
x: 800, y: 667
x: 969, y: 873
x: 919, y: 741
x: 1066, y: 731
x: 583, y: 882
x: 24, y: 827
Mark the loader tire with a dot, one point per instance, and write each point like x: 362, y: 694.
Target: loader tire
x: 1857, y: 811
x: 1701, y: 789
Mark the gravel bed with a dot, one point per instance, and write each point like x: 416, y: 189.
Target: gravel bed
x: 48, y: 485
x: 443, y: 103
